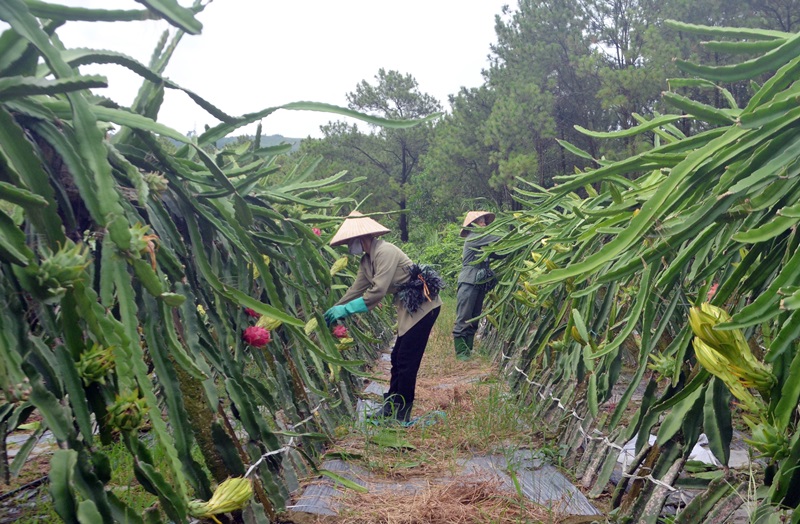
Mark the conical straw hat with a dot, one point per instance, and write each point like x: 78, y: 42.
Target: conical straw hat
x: 472, y: 216
x: 357, y: 225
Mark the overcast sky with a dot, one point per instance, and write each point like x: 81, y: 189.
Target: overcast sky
x: 254, y: 54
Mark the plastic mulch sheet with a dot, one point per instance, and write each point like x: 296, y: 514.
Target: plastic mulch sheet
x: 539, y: 482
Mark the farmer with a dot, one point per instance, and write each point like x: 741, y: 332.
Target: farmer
x: 384, y: 269
x: 473, y: 281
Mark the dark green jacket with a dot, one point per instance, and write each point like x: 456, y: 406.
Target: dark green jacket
x: 473, y: 245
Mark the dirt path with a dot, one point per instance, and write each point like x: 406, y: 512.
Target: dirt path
x: 468, y: 458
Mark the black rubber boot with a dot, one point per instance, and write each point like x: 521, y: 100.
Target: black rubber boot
x: 404, y: 412
x: 394, y: 410
x: 389, y: 409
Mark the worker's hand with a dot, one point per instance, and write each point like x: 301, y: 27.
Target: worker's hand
x: 335, y: 313
x: 345, y: 310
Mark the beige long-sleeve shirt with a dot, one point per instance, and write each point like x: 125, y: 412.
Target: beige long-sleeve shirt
x: 381, y: 272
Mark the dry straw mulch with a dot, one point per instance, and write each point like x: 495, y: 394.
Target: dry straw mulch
x: 465, y: 501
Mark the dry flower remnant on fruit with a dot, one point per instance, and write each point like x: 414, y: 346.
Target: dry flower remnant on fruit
x: 726, y: 354
x: 268, y: 323
x: 339, y: 265
x: 310, y: 326
x: 144, y: 242
x: 231, y: 495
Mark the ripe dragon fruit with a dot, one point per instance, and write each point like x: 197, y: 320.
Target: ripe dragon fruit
x: 339, y: 331
x: 256, y: 336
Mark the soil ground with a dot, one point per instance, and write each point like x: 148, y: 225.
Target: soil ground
x: 416, y: 475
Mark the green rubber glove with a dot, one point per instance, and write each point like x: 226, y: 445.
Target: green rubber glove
x: 345, y: 310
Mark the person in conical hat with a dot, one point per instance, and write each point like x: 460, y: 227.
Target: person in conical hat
x: 476, y: 218
x: 355, y: 226
x: 384, y: 269
x: 475, y: 279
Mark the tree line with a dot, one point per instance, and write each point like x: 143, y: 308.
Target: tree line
x: 555, y: 67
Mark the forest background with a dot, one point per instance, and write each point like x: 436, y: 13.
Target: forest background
x: 555, y: 67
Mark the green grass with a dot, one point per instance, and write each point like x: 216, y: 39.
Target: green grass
x: 123, y: 484
x: 38, y: 509
x: 481, y: 415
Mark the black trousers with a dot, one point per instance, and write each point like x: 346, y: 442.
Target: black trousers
x: 406, y: 358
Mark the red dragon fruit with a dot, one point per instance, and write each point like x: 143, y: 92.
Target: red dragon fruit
x: 339, y: 331
x: 256, y: 336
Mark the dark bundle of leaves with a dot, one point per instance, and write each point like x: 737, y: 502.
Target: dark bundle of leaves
x: 423, y: 279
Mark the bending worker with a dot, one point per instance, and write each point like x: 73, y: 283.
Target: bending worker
x: 383, y: 269
x: 473, y: 281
